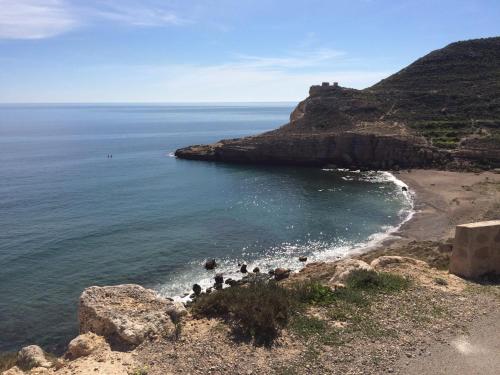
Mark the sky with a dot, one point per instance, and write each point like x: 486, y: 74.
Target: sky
x: 219, y: 50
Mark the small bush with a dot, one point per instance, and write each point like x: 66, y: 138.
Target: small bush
x: 440, y: 281
x: 371, y: 281
x: 314, y: 293
x: 258, y: 310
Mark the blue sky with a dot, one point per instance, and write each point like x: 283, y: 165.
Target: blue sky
x: 219, y: 50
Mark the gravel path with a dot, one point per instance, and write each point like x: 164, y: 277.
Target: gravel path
x: 475, y: 353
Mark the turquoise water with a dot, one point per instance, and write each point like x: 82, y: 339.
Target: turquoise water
x: 71, y: 217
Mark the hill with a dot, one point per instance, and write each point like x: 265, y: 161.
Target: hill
x: 443, y: 111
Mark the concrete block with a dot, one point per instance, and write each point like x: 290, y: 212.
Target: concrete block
x: 476, y: 249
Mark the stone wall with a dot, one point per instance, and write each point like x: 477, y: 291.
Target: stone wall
x: 476, y: 250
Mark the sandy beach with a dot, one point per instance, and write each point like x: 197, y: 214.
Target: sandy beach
x: 444, y: 199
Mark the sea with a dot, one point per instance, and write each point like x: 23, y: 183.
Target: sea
x: 92, y: 195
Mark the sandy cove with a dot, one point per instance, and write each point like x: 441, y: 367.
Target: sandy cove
x: 400, y: 333
x: 444, y: 199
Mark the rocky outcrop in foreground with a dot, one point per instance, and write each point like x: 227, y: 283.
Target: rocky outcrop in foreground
x: 442, y: 110
x: 126, y: 315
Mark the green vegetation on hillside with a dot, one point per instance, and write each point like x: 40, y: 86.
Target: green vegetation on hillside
x: 259, y: 310
x: 448, y: 133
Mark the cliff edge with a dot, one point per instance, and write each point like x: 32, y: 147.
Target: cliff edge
x: 442, y: 110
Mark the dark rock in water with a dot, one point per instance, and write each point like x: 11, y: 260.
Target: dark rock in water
x: 218, y: 286
x: 210, y: 264
x: 303, y: 259
x: 230, y: 282
x: 271, y: 272
x: 281, y: 273
x: 256, y: 270
x: 443, y: 110
x: 243, y: 268
x: 197, y: 289
x: 219, y: 278
x: 404, y: 188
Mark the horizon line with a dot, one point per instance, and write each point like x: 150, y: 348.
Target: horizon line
x: 153, y: 103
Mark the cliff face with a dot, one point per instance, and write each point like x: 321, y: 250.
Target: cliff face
x: 444, y: 109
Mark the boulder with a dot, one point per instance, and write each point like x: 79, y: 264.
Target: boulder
x: 32, y: 356
x: 281, y: 273
x: 125, y: 315
x: 86, y: 344
x: 256, y: 270
x: 179, y: 312
x: 302, y: 259
x: 345, y: 268
x: 197, y: 289
x: 219, y: 278
x: 243, y: 268
x: 210, y: 264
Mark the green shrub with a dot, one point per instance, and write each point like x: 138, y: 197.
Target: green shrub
x: 314, y: 293
x: 371, y: 281
x: 258, y: 310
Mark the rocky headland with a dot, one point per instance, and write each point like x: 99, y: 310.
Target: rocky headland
x: 442, y: 111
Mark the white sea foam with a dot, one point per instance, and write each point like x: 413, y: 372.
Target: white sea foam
x: 286, y: 255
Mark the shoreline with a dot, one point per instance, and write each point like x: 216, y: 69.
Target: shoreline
x: 440, y: 200
x: 372, y: 242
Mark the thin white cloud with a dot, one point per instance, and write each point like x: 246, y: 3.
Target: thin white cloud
x: 38, y: 19
x: 34, y: 19
x: 136, y: 14
x: 302, y: 60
